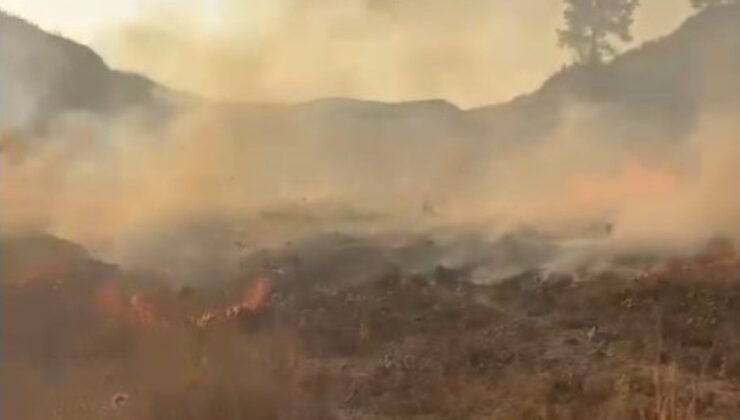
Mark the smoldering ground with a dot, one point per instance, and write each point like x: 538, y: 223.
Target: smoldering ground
x: 197, y: 190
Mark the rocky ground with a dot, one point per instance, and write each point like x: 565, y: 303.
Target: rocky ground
x: 84, y: 340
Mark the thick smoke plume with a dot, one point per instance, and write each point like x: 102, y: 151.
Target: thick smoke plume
x: 189, y: 190
x: 192, y: 186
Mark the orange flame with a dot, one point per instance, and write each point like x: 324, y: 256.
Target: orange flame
x: 636, y: 180
x: 254, y: 300
x: 137, y: 311
x: 258, y: 295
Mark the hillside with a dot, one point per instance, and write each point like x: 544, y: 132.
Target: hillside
x: 42, y: 75
x: 656, y: 89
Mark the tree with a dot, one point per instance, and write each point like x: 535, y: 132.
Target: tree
x: 701, y: 4
x: 592, y: 26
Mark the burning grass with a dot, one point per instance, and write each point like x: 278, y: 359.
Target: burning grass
x: 88, y: 343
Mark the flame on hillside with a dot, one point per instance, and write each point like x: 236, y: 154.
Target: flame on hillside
x: 635, y: 181
x: 137, y: 310
x: 254, y: 300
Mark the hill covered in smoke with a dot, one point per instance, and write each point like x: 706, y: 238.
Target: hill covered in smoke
x: 43, y: 75
x: 664, y: 81
x: 658, y: 90
x: 641, y: 143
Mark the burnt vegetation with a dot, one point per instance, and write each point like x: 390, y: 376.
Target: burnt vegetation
x: 659, y: 344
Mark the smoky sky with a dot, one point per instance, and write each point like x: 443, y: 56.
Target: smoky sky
x: 471, y: 52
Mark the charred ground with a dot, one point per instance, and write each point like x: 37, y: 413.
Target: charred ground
x: 429, y: 344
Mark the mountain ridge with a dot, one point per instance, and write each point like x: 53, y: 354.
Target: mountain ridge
x: 661, y: 83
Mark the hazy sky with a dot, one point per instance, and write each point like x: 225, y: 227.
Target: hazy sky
x: 469, y: 51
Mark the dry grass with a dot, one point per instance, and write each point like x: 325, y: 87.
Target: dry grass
x: 610, y: 349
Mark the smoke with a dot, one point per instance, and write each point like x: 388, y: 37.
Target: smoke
x: 288, y: 50
x: 116, y: 185
x: 471, y: 52
x: 701, y: 205
x: 186, y: 194
x: 181, y: 195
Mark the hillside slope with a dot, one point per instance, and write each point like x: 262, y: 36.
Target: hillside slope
x: 656, y: 90
x: 42, y: 74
